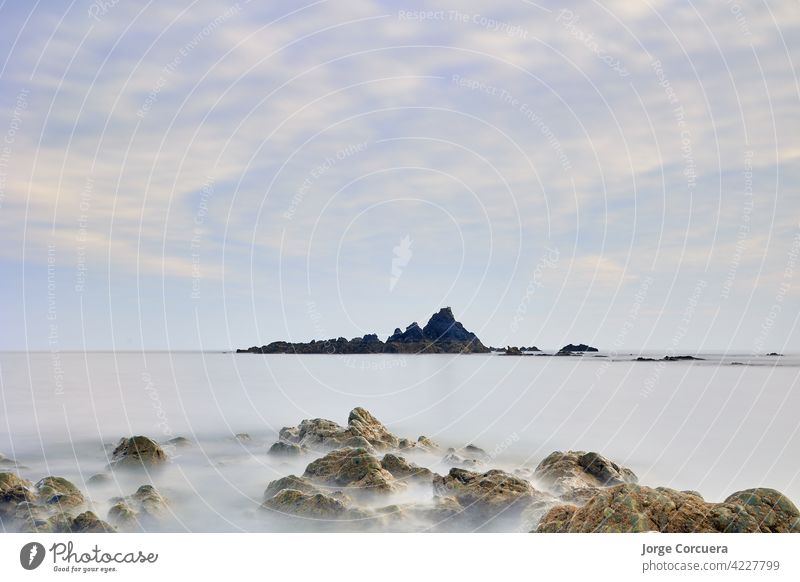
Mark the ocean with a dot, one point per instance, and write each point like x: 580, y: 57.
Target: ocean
x: 717, y: 425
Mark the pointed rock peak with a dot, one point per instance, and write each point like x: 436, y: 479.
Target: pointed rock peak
x: 445, y: 314
x: 443, y: 327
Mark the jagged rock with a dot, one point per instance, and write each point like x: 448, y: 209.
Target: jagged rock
x: 362, y: 423
x: 59, y: 493
x: 284, y: 449
x: 290, y: 482
x: 572, y: 472
x: 635, y: 508
x: 403, y: 470
x: 354, y: 468
x: 137, y: 452
x: 442, y: 334
x: 413, y: 333
x: 363, y: 431
x: 512, y: 351
x: 316, y: 434
x: 487, y: 493
x: 313, y: 505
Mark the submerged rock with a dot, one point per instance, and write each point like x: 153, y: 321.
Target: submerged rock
x: 144, y: 508
x: 179, y: 442
x: 427, y: 444
x: 137, y: 452
x: 88, y: 522
x: 284, y: 449
x: 579, y: 475
x: 355, y: 468
x: 470, y: 457
x: 99, y: 479
x: 635, y: 508
x: 123, y: 516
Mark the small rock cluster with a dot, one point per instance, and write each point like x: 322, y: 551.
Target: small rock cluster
x: 56, y: 505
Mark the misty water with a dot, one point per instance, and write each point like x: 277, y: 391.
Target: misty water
x: 711, y: 425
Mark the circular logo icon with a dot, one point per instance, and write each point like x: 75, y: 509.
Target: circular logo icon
x: 31, y: 555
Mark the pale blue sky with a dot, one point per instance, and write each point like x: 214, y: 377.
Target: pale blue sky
x: 211, y: 175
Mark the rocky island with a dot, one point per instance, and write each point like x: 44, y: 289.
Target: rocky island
x: 441, y: 335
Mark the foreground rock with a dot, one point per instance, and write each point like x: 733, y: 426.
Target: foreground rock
x: 634, y: 508
x: 577, y: 475
x: 88, y: 522
x: 137, y: 452
x: 290, y: 482
x: 58, y: 493
x: 486, y: 494
x: 361, y: 423
x: 352, y: 468
x: 363, y: 431
x: 442, y: 334
x: 402, y: 470
x: 13, y: 492
x: 145, y: 509
x: 309, y: 504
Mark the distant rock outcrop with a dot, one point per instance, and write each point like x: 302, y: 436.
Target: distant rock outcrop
x: 573, y: 349
x: 442, y: 334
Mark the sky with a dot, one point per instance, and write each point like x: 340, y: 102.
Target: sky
x: 209, y: 175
